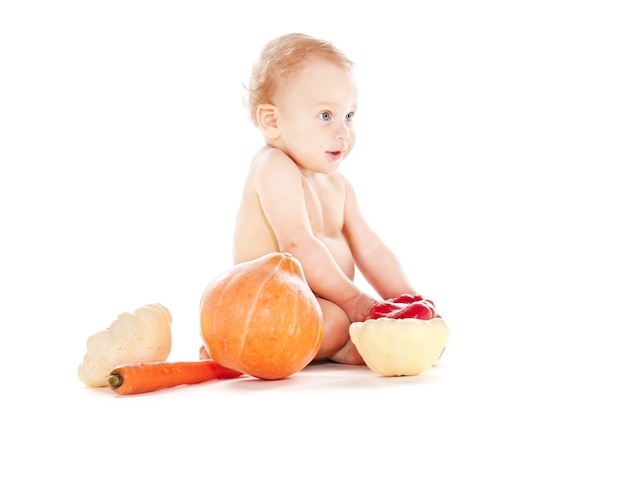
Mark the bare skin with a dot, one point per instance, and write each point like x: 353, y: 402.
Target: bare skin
x: 294, y: 200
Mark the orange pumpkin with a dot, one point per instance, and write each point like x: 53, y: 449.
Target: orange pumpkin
x: 261, y: 318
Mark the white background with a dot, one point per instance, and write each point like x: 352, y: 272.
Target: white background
x: 490, y: 154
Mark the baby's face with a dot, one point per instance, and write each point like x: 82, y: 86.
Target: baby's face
x: 316, y: 107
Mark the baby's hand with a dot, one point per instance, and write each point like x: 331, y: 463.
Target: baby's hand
x: 359, y: 307
x: 404, y: 306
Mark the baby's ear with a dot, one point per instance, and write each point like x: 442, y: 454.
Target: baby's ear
x: 267, y: 120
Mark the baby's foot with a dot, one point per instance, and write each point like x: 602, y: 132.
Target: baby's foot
x: 204, y: 353
x: 348, y: 355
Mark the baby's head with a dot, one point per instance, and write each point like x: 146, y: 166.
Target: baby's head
x: 281, y: 58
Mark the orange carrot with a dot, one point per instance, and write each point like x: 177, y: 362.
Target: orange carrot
x: 150, y: 376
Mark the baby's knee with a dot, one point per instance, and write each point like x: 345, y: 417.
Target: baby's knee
x: 336, y: 327
x: 336, y: 344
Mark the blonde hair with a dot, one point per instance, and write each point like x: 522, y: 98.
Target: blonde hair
x: 282, y: 57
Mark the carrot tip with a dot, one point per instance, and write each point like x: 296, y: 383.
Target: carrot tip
x: 115, y: 380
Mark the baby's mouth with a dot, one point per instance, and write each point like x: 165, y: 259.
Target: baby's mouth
x: 335, y: 155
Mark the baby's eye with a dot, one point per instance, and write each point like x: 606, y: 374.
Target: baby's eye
x: 349, y: 116
x: 325, y: 116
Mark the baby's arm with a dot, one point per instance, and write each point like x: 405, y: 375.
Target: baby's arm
x: 376, y: 261
x: 280, y: 192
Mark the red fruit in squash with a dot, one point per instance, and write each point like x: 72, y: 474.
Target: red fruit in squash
x: 261, y: 318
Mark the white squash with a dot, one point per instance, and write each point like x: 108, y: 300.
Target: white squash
x: 400, y: 347
x: 137, y: 337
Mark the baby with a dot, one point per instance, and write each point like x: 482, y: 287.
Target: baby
x: 303, y: 99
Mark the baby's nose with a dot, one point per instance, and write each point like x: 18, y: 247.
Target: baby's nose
x: 343, y: 131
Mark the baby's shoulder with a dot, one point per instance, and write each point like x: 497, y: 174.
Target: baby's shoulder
x: 271, y: 167
x: 271, y: 158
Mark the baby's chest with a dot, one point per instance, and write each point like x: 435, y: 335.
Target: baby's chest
x: 324, y: 206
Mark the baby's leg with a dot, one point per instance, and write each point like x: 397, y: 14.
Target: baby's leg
x: 336, y: 344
